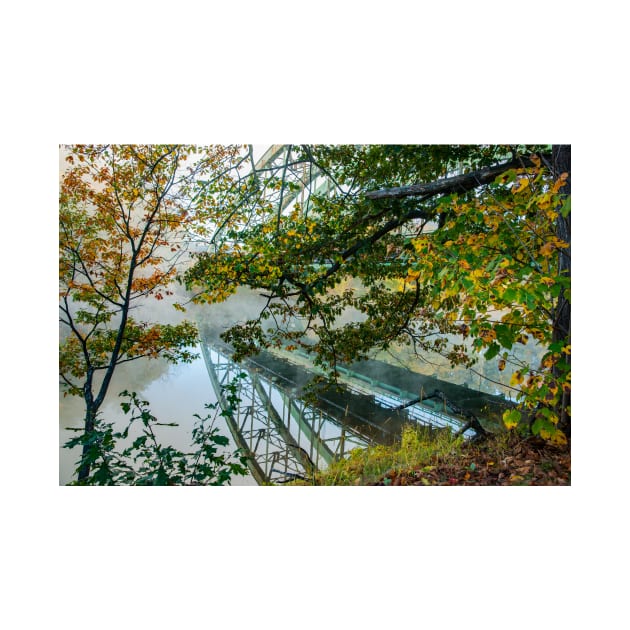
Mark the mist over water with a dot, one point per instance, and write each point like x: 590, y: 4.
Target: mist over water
x: 175, y: 392
x: 245, y: 304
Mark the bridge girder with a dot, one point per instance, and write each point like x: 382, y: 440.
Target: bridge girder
x: 281, y: 437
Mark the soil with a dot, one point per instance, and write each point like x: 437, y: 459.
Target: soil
x: 521, y: 462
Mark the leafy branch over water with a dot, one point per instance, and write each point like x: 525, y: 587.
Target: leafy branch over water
x: 146, y: 462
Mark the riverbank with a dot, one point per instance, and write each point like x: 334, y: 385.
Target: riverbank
x: 441, y: 460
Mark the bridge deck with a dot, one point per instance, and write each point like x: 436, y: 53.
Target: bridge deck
x: 486, y: 407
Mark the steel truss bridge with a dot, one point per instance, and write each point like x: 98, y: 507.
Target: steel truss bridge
x: 284, y: 438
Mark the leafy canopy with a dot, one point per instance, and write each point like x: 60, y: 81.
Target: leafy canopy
x: 127, y: 218
x: 127, y: 215
x: 465, y: 267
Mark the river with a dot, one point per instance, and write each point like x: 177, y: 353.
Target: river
x: 175, y: 393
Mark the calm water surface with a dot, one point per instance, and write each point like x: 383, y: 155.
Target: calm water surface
x: 175, y: 393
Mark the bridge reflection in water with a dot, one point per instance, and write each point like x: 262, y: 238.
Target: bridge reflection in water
x: 283, y: 437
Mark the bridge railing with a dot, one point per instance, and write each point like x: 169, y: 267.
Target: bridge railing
x: 391, y: 397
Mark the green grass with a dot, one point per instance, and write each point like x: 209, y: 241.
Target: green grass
x: 418, y: 447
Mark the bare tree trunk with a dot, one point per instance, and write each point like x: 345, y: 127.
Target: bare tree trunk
x: 84, y: 470
x: 561, y: 162
x: 91, y: 409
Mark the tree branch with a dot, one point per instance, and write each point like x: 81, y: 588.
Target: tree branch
x: 458, y: 183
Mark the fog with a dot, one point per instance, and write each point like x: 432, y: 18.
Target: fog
x: 175, y: 392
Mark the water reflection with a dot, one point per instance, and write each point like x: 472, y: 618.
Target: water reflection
x: 175, y: 394
x: 283, y: 437
x: 287, y: 433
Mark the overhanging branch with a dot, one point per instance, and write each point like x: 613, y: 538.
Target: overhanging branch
x: 458, y: 183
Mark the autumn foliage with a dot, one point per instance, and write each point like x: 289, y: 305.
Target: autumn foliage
x: 462, y: 250
x: 470, y: 267
x: 126, y: 216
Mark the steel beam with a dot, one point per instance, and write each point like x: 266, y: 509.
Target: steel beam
x: 273, y: 454
x: 308, y: 428
x: 252, y: 464
x: 298, y: 453
x: 274, y: 437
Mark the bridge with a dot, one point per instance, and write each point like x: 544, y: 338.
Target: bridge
x: 284, y: 437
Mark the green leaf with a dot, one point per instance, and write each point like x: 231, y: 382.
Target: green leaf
x: 220, y: 439
x: 542, y: 424
x: 162, y: 478
x: 492, y: 351
x: 510, y: 295
x: 511, y: 418
x: 505, y: 335
x: 507, y: 177
x: 555, y: 290
x: 139, y: 442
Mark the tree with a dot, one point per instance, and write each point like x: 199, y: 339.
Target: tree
x: 125, y: 214
x: 476, y: 251
x: 146, y: 462
x: 561, y: 165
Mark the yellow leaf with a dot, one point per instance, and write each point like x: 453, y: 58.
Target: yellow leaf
x: 547, y: 250
x: 559, y: 243
x: 517, y: 378
x: 559, y: 183
x: 511, y: 418
x: 520, y: 185
x: 559, y: 438
x: 544, y: 201
x: 555, y: 436
x: 547, y: 361
x: 488, y: 335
